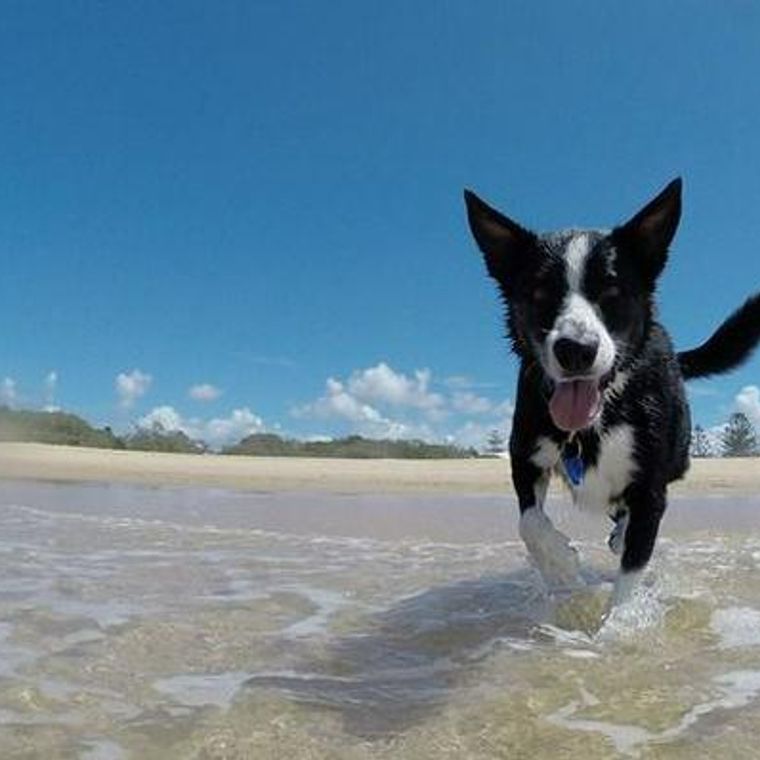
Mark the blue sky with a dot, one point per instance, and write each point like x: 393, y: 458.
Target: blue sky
x: 266, y: 197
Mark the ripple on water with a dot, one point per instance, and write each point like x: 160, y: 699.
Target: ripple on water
x: 736, y: 689
x: 199, y: 689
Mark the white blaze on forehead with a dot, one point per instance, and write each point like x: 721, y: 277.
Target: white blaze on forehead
x: 576, y: 254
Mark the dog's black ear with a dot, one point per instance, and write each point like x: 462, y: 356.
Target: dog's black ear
x: 648, y: 234
x: 502, y: 241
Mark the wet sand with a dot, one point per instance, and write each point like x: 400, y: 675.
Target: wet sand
x: 485, y: 476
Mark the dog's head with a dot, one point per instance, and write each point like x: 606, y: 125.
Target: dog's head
x: 579, y: 302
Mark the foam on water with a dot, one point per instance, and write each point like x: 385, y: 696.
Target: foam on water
x: 736, y: 627
x: 326, y: 604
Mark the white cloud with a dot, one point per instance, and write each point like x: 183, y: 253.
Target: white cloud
x: 131, y: 386
x: 379, y: 402
x: 239, y: 424
x: 470, y: 403
x: 216, y: 432
x: 356, y: 400
x: 8, y: 392
x: 337, y: 402
x: 204, y: 392
x: 166, y: 417
x: 382, y: 384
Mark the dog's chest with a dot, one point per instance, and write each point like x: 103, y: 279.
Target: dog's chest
x: 604, y: 476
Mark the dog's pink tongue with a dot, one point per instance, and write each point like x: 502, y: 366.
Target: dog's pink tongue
x: 574, y: 404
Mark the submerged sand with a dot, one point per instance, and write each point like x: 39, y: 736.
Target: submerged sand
x: 199, y: 623
x: 486, y: 476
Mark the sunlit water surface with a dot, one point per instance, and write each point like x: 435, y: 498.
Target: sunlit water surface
x: 189, y: 623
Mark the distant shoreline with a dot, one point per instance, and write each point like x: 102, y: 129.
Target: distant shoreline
x: 31, y: 461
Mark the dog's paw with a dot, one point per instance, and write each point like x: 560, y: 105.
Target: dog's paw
x: 616, y: 540
x: 556, y: 559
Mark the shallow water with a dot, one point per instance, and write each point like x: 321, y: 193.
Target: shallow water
x: 191, y: 623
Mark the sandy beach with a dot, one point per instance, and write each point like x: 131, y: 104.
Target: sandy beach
x: 27, y: 461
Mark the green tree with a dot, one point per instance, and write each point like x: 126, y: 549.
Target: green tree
x: 495, y: 443
x: 33, y: 426
x: 739, y: 438
x: 700, y: 443
x: 158, y: 438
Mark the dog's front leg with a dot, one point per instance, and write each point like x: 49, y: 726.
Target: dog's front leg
x: 556, y: 560
x: 646, y: 505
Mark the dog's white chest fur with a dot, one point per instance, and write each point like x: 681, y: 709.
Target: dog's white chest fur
x: 602, y: 482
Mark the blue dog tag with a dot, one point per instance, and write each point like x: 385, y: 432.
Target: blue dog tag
x: 573, y: 461
x: 574, y: 469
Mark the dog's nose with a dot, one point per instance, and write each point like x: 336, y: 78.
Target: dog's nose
x: 575, y: 357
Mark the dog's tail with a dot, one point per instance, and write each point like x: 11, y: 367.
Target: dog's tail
x: 730, y: 345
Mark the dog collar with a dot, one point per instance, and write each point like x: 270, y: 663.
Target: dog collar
x: 572, y: 459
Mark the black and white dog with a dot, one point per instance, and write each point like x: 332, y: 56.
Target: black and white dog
x: 600, y: 395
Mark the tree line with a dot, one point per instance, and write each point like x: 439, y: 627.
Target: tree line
x: 65, y: 429
x: 71, y: 430
x: 738, y: 438
x: 352, y: 447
